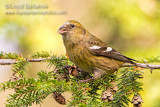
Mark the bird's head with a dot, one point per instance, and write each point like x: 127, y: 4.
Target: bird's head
x: 71, y: 28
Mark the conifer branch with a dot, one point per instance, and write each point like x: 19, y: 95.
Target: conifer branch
x: 64, y: 78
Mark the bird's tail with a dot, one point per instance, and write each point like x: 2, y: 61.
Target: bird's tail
x: 132, y: 61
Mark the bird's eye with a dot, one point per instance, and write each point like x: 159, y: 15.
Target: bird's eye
x: 72, y: 26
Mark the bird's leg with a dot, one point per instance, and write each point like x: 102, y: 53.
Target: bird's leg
x: 97, y: 75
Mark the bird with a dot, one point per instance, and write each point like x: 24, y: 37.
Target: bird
x: 89, y: 53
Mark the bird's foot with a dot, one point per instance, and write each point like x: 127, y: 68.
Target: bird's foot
x: 87, y: 80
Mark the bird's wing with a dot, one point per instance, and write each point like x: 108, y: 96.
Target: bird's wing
x: 108, y: 52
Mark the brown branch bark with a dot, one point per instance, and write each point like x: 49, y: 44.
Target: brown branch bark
x: 142, y: 65
x: 10, y: 62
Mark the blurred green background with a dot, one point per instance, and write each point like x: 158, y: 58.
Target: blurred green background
x: 130, y: 26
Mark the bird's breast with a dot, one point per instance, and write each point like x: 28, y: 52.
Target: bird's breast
x: 80, y: 57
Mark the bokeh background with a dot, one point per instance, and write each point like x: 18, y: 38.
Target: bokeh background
x: 130, y: 26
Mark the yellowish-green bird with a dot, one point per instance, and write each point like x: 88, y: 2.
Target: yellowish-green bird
x: 88, y: 52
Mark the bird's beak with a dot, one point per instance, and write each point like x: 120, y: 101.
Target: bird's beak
x: 63, y: 29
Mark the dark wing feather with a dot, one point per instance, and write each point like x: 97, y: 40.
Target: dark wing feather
x: 113, y: 54
x: 101, y: 50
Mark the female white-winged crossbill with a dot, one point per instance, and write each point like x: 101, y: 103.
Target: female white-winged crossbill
x: 88, y: 52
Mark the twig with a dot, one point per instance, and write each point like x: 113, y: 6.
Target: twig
x: 7, y: 62
x: 10, y: 62
x: 142, y: 65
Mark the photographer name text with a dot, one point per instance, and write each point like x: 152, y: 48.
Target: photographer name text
x: 31, y: 9
x: 26, y: 6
